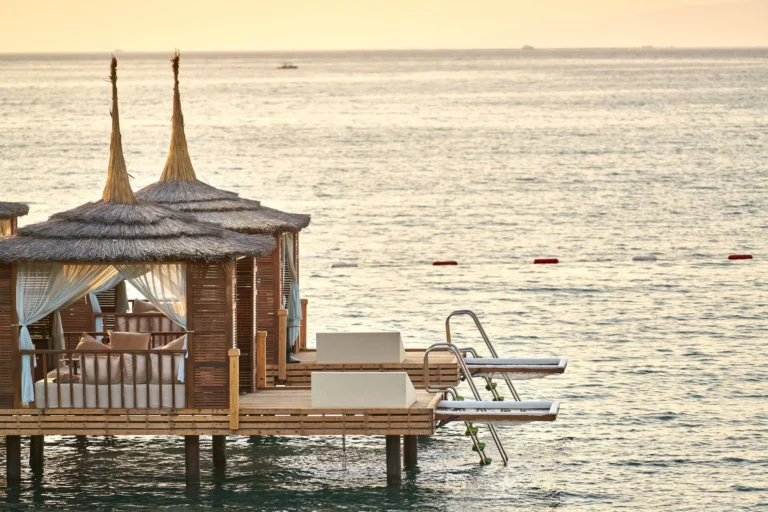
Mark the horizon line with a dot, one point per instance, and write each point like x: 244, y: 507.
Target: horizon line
x: 119, y: 51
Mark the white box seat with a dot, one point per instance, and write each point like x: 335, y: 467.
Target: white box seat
x: 360, y: 348
x: 362, y: 390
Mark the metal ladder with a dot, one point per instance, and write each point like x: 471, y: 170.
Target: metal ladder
x: 478, y: 446
x: 490, y: 385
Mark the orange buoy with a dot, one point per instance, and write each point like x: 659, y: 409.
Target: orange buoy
x: 443, y: 263
x: 740, y: 257
x: 545, y: 261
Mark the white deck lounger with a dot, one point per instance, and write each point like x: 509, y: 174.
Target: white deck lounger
x: 517, y: 369
x: 496, y: 412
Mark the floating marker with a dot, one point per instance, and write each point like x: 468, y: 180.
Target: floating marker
x: 545, y: 261
x: 344, y: 265
x: 443, y: 263
x: 740, y: 257
x: 644, y: 257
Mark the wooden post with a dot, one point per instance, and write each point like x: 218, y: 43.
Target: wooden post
x: 303, y: 332
x: 13, y: 459
x: 282, y: 350
x: 234, y: 389
x: 36, y: 454
x: 410, y: 451
x: 261, y: 359
x: 219, y: 452
x: 394, y: 467
x: 192, y: 458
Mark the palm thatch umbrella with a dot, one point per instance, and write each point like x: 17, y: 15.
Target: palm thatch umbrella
x: 12, y: 210
x: 9, y: 212
x: 122, y: 228
x: 180, y: 190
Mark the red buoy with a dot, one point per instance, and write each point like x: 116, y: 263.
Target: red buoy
x: 442, y: 263
x: 545, y: 261
x: 740, y: 257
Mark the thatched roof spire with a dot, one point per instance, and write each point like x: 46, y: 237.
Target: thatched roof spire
x: 181, y: 191
x: 178, y: 166
x: 118, y: 188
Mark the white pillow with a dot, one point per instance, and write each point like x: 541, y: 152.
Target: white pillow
x: 141, y: 369
x: 89, y: 369
x: 170, y: 374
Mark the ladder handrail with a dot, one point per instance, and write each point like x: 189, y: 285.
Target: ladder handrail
x: 491, y: 349
x: 468, y: 378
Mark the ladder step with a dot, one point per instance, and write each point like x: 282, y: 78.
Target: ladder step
x: 480, y: 447
x: 474, y: 431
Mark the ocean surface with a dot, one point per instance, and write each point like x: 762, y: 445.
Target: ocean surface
x: 492, y: 159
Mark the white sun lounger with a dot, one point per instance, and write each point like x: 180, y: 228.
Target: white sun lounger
x: 517, y: 369
x: 496, y: 412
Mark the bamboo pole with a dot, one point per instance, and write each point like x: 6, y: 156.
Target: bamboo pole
x: 282, y: 351
x: 303, y: 332
x: 261, y: 359
x: 234, y: 388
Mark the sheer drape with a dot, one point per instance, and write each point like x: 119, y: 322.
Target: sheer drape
x: 96, y: 307
x: 165, y: 287
x: 43, y: 288
x: 294, y: 296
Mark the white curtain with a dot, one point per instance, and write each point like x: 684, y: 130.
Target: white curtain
x: 294, y: 296
x: 5, y: 227
x: 165, y: 287
x: 57, y: 329
x: 96, y: 307
x: 43, y: 288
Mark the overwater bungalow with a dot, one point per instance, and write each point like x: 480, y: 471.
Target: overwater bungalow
x: 175, y: 369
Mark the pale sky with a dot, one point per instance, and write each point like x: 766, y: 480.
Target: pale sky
x: 157, y: 25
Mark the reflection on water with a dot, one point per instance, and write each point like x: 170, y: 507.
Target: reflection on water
x: 490, y: 159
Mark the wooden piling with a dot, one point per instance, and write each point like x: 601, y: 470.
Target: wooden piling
x: 36, y: 454
x: 282, y: 350
x: 394, y: 466
x: 302, y: 344
x: 219, y: 452
x: 13, y: 459
x: 410, y: 451
x: 261, y: 359
x: 192, y: 458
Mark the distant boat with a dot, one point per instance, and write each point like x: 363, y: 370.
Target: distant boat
x: 528, y: 48
x: 288, y: 65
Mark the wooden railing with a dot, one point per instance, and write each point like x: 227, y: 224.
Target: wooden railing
x: 137, y: 322
x: 131, y: 375
x: 156, y: 339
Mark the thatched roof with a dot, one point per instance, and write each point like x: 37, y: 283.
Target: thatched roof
x: 12, y: 210
x: 121, y: 229
x: 180, y: 190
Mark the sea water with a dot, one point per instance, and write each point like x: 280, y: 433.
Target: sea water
x: 492, y: 159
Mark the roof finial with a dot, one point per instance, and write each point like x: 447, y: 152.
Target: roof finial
x: 178, y: 166
x: 118, y: 188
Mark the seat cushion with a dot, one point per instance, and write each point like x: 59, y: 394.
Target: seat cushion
x: 142, y: 306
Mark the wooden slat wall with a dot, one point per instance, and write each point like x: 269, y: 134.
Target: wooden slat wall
x: 210, y: 318
x: 77, y: 317
x: 6, y: 339
x: 268, y: 298
x: 245, y: 333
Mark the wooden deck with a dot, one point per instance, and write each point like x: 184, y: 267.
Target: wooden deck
x: 279, y: 411
x: 286, y: 411
x: 443, y: 369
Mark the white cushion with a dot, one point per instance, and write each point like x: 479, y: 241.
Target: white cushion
x: 105, y: 365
